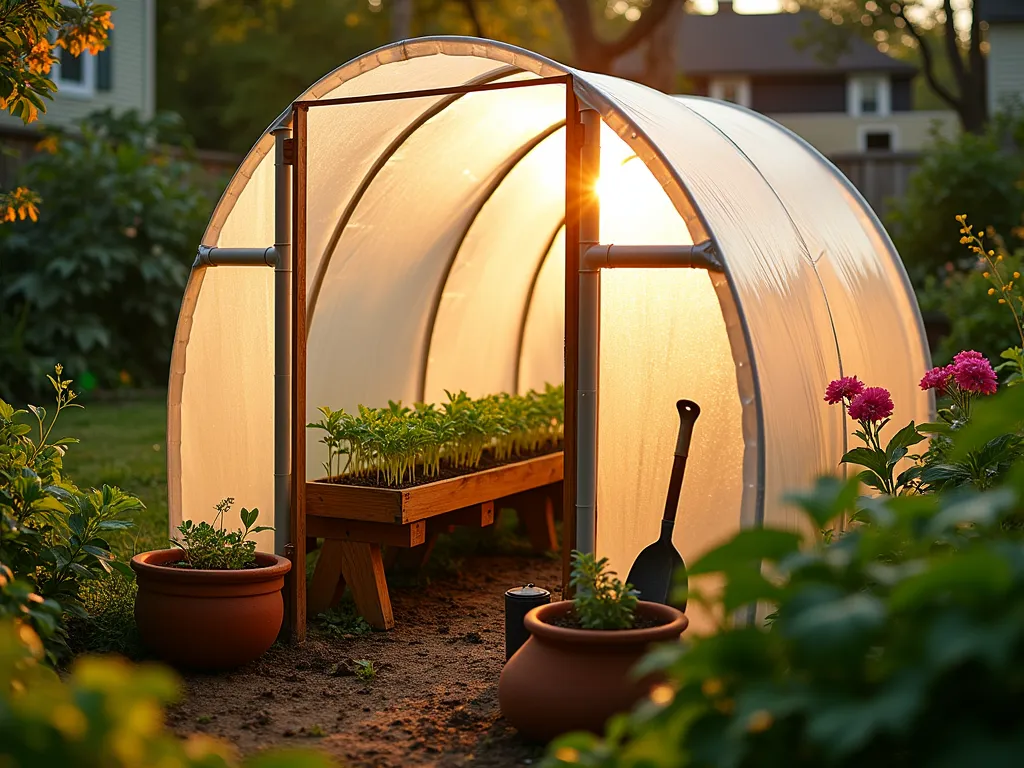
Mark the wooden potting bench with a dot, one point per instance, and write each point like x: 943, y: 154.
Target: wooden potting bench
x: 356, y: 522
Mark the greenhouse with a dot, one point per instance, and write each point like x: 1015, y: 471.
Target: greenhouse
x: 459, y: 214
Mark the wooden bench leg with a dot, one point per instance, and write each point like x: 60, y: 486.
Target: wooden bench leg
x: 363, y: 569
x: 327, y: 583
x: 538, y: 517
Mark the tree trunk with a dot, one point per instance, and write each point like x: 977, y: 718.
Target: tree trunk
x: 401, y: 20
x: 660, y: 57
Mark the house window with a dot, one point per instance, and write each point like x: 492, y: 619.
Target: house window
x: 75, y: 75
x: 734, y: 89
x: 869, y: 96
x: 877, y: 138
x: 85, y: 74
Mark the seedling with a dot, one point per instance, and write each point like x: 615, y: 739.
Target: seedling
x: 210, y: 547
x: 365, y: 670
x: 602, y: 601
x: 396, y: 444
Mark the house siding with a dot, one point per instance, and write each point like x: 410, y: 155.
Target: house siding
x: 837, y: 134
x: 788, y: 95
x: 1005, y: 64
x: 132, y: 68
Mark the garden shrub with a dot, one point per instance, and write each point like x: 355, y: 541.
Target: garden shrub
x: 897, y: 643
x: 977, y: 175
x: 53, y: 534
x: 976, y: 321
x: 97, y: 281
x: 106, y: 713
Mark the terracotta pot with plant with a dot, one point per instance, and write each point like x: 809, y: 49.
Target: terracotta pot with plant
x: 212, y: 602
x: 576, y: 670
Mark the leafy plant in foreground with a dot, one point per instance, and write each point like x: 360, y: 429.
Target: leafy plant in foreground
x: 601, y: 601
x: 52, y: 534
x: 105, y: 712
x: 210, y: 547
x: 900, y: 643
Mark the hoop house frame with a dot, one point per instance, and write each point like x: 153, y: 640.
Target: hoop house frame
x: 799, y: 284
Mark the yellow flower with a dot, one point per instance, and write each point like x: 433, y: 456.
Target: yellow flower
x: 49, y: 144
x: 1016, y: 275
x: 662, y: 695
x: 567, y: 755
x: 991, y: 291
x: 711, y: 687
x: 760, y: 721
x: 984, y: 274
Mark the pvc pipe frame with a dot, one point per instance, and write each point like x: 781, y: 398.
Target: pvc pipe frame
x: 278, y: 256
x: 593, y: 258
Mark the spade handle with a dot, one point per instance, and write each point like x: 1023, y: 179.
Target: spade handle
x: 688, y: 413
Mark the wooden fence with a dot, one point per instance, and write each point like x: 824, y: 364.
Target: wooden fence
x: 880, y: 176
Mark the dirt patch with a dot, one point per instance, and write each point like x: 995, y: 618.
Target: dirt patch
x: 432, y: 702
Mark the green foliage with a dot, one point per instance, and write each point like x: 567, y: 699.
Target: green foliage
x: 210, y: 547
x: 365, y: 670
x: 98, y: 281
x: 29, y: 35
x: 880, y: 463
x: 978, y: 451
x: 53, y: 535
x: 344, y: 620
x: 898, y: 643
x: 106, y: 713
x: 977, y: 175
x: 391, y: 443
x: 601, y: 601
x: 976, y: 319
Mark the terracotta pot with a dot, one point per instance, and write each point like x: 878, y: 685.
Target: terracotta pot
x: 208, y: 620
x: 565, y: 680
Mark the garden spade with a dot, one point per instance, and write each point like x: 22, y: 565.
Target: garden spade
x: 658, y: 567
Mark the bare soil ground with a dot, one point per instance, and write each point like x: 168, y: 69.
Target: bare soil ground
x: 433, y: 702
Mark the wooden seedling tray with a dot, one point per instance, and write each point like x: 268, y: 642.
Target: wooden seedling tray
x: 403, y: 506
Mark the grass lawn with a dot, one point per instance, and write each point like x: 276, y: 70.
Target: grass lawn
x: 123, y: 444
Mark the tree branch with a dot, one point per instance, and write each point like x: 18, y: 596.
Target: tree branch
x: 953, y: 48
x: 586, y: 45
x: 654, y: 14
x: 929, y: 62
x: 474, y: 18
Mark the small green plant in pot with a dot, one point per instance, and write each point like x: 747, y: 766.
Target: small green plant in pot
x: 215, y: 579
x: 575, y: 671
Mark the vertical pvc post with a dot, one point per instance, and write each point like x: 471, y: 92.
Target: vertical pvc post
x: 589, y: 337
x: 282, y: 341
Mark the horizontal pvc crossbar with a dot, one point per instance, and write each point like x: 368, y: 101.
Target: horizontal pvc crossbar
x: 700, y: 256
x: 212, y: 256
x: 432, y: 92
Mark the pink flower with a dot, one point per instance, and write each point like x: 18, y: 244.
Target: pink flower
x: 845, y: 388
x: 873, y: 404
x: 937, y: 379
x: 967, y: 354
x: 974, y: 375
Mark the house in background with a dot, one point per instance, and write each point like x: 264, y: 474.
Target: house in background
x: 863, y: 101
x: 122, y: 77
x: 858, y: 110
x: 1005, y: 19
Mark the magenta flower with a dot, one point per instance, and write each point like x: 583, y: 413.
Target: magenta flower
x: 975, y: 375
x: 967, y: 354
x: 937, y: 379
x: 845, y: 388
x: 873, y: 404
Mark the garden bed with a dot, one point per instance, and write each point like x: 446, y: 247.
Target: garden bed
x: 416, y: 502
